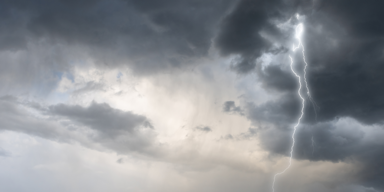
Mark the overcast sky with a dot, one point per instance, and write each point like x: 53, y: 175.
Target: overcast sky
x: 191, y: 95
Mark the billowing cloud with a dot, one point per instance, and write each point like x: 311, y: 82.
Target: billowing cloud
x: 344, y: 55
x: 195, y: 85
x: 241, y: 32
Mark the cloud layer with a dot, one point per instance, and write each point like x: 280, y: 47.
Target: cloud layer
x: 188, y: 83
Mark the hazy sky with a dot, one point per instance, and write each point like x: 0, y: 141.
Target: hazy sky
x: 190, y: 95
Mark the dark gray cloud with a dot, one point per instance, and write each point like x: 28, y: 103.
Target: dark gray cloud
x: 274, y: 77
x: 357, y: 188
x: 283, y: 111
x: 345, y: 140
x: 118, y: 130
x: 345, y: 59
x: 230, y: 107
x: 345, y: 51
x: 101, y: 117
x: 152, y: 36
x: 203, y: 128
x: 241, y: 32
x: 42, y: 39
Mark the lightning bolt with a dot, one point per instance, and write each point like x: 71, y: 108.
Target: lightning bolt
x: 298, y: 34
x: 294, y: 128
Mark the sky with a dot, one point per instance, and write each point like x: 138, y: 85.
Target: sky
x: 191, y: 95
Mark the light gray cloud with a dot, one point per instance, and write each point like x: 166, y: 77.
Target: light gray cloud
x: 15, y: 117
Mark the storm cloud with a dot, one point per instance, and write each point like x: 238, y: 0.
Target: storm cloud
x: 344, y: 49
x: 112, y: 31
x: 125, y: 75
